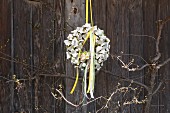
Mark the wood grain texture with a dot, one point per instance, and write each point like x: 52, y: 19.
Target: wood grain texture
x: 36, y: 31
x: 118, y: 31
x: 21, y: 52
x: 100, y: 16
x: 5, y: 23
x: 136, y: 46
x: 150, y: 10
x: 73, y: 20
x: 164, y: 99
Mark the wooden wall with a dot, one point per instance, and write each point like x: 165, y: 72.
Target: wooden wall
x: 32, y: 48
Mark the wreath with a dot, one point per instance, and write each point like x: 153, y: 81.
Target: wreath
x: 75, y: 47
x: 88, y: 60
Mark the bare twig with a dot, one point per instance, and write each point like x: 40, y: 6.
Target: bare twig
x: 58, y: 75
x: 138, y: 83
x: 134, y: 55
x: 4, y: 78
x: 101, y: 97
x: 143, y: 36
x: 76, y: 105
x: 137, y: 68
x: 127, y: 66
x: 70, y: 103
x: 161, y: 24
x: 128, y: 80
x: 156, y: 90
x: 162, y: 64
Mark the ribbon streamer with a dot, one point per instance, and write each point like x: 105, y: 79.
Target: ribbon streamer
x: 92, y: 57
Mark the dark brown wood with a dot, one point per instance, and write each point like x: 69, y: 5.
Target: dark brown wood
x: 136, y: 46
x: 73, y: 20
x: 118, y: 31
x: 164, y: 99
x: 5, y: 72
x: 31, y: 46
x: 100, y: 16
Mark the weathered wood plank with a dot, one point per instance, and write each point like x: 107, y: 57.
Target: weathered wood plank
x: 118, y: 32
x: 136, y: 48
x: 59, y: 55
x: 99, y: 17
x: 164, y: 92
x: 74, y: 19
x: 5, y: 24
x: 150, y: 16
x: 36, y: 38
x: 22, y: 32
x: 43, y: 54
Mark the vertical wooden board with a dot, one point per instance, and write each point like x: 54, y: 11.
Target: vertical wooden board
x: 164, y: 92
x: 136, y: 47
x: 73, y: 19
x: 58, y: 53
x: 118, y: 32
x: 4, y: 51
x: 22, y: 31
x: 99, y: 18
x: 150, y: 13
x: 43, y: 54
x: 136, y: 35
x: 149, y: 24
x: 34, y: 84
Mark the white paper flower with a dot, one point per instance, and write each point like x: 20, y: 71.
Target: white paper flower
x: 67, y: 42
x: 99, y: 32
x: 68, y: 55
x: 70, y: 37
x: 75, y: 42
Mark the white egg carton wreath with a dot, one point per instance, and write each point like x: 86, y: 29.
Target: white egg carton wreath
x: 74, y: 44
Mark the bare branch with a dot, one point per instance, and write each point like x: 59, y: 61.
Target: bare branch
x: 135, y: 82
x: 58, y: 75
x: 127, y: 66
x: 76, y: 105
x: 4, y: 78
x: 156, y: 90
x: 101, y: 97
x: 134, y: 55
x: 162, y: 64
x: 142, y: 36
x: 128, y: 80
x: 70, y: 103
x: 161, y: 24
x: 137, y: 68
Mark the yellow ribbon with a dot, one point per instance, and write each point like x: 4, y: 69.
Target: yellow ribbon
x: 92, y: 45
x: 76, y: 81
x: 77, y: 75
x: 91, y: 15
x: 87, y: 8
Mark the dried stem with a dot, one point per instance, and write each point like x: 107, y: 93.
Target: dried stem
x: 164, y: 63
x: 128, y: 80
x: 157, y: 89
x: 70, y: 103
x: 161, y: 24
